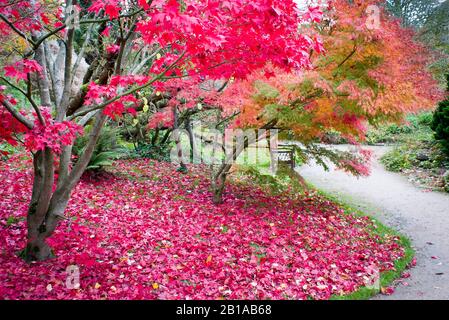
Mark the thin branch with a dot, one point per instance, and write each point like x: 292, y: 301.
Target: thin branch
x: 48, y: 35
x: 145, y: 61
x: 35, y: 106
x: 227, y: 119
x: 81, y: 54
x: 62, y: 105
x: 123, y: 41
x: 14, y: 28
x: 225, y: 84
x: 16, y: 114
x: 26, y: 94
x: 348, y: 57
x: 87, y: 21
x: 13, y: 86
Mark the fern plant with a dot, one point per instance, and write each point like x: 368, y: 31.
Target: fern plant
x: 107, y: 150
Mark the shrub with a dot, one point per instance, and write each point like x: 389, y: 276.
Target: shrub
x: 425, y: 119
x: 285, y: 181
x: 388, y: 133
x: 417, y: 128
x: 155, y: 152
x: 440, y: 123
x: 397, y: 160
x: 446, y: 181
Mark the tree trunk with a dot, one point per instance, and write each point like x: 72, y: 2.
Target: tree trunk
x: 37, y: 249
x: 218, y: 183
x: 219, y: 179
x: 218, y: 191
x: 47, y: 208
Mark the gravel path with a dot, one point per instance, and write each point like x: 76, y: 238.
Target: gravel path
x: 421, y: 215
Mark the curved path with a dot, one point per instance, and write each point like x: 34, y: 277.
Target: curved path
x: 421, y: 215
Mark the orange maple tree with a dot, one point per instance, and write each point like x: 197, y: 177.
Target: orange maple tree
x: 372, y: 71
x: 366, y: 74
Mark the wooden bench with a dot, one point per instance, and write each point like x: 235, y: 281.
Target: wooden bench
x: 285, y: 154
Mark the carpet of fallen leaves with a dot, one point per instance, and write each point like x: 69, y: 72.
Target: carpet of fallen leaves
x: 144, y: 231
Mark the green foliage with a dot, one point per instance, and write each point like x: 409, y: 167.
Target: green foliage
x: 265, y: 91
x: 148, y: 143
x: 155, y: 152
x: 414, y: 13
x: 5, y: 150
x: 446, y: 182
x: 440, y: 123
x: 397, y: 160
x: 424, y: 119
x: 417, y: 128
x: 12, y: 220
x: 107, y: 150
x: 416, y: 154
x: 420, y: 149
x: 182, y: 169
x: 283, y: 182
x: 440, y: 67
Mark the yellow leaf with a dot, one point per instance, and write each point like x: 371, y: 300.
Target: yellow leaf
x: 145, y: 105
x: 209, y: 259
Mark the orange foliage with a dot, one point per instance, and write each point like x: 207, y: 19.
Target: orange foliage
x: 365, y: 75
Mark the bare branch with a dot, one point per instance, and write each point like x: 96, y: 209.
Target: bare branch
x: 354, y: 50
x: 83, y: 50
x: 86, y: 21
x: 126, y: 93
x: 63, y: 104
x: 26, y: 94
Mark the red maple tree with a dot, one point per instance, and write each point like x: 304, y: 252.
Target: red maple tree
x: 138, y: 46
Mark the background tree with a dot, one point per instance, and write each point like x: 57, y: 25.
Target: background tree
x: 413, y: 13
x: 430, y: 19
